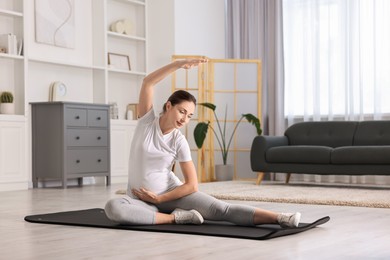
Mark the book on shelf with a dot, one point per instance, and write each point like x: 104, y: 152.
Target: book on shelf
x: 10, y: 43
x: 20, y: 47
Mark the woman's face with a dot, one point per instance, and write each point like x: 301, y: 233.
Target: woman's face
x: 180, y: 114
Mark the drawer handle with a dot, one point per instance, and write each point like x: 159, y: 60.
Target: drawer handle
x: 77, y: 117
x: 99, y: 160
x: 99, y: 138
x: 77, y: 161
x: 99, y: 118
x: 77, y: 137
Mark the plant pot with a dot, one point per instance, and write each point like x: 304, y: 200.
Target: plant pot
x: 7, y: 108
x: 224, y: 172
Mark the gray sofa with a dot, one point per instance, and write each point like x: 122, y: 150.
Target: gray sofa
x: 330, y: 148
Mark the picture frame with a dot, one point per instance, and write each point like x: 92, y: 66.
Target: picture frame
x: 118, y: 61
x: 132, y: 112
x: 55, y: 23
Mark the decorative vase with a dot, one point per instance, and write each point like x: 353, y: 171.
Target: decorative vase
x: 224, y: 172
x: 7, y: 108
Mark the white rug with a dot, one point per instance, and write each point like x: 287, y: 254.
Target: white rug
x: 341, y: 195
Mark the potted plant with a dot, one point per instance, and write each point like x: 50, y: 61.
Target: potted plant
x: 6, y: 105
x: 200, y: 133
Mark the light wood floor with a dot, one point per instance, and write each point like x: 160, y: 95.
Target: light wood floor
x: 352, y: 233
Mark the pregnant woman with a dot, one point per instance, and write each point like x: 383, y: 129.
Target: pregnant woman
x: 155, y: 195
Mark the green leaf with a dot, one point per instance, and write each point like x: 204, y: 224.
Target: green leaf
x: 208, y: 105
x: 200, y: 133
x: 254, y: 121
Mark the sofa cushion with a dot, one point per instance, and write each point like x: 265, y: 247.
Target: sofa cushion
x: 372, y: 133
x: 332, y: 134
x: 361, y: 155
x: 299, y: 154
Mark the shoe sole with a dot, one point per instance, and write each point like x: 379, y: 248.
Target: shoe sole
x: 297, y: 219
x: 199, y: 216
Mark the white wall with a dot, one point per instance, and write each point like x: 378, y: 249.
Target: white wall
x: 184, y: 27
x: 200, y: 28
x: 161, y: 38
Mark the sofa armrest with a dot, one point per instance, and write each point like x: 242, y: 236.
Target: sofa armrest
x: 260, y: 145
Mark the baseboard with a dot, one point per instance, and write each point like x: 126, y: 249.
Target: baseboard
x: 119, y: 179
x: 14, y: 186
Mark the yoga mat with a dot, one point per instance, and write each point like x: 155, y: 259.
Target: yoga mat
x: 97, y: 218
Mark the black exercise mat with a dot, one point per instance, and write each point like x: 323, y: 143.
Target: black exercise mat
x: 97, y: 218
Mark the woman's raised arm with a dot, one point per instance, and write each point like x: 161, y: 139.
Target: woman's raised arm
x: 146, y: 94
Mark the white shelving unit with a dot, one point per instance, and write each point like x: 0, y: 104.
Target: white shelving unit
x: 84, y: 70
x: 13, y: 134
x: 12, y: 66
x: 123, y: 86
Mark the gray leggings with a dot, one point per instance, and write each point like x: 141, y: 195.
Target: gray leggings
x: 136, y: 212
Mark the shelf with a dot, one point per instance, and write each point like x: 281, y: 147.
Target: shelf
x: 12, y: 118
x: 128, y: 72
x: 10, y: 13
x: 69, y: 64
x: 132, y: 2
x: 98, y: 67
x: 125, y: 36
x: 9, y: 56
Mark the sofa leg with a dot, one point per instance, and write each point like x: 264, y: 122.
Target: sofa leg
x: 288, y: 178
x: 260, y: 176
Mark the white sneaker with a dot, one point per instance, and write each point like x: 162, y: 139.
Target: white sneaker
x: 289, y: 219
x: 187, y: 217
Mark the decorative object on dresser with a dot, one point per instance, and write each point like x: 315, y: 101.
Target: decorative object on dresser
x: 70, y: 140
x: 7, y: 106
x: 113, y: 110
x: 57, y: 91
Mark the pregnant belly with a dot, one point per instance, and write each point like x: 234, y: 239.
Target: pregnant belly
x: 156, y: 182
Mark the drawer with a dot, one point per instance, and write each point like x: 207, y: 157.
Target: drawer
x: 97, y: 118
x: 86, y: 137
x: 75, y: 117
x: 86, y: 161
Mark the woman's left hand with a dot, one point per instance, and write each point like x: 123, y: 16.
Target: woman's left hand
x: 190, y: 63
x: 146, y: 195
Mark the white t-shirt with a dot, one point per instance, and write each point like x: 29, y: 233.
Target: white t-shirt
x: 153, y: 154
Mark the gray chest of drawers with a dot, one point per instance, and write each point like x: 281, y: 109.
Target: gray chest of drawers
x: 70, y: 141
